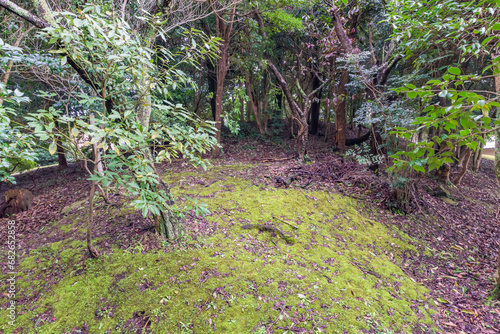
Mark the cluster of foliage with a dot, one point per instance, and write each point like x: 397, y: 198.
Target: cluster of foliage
x: 123, y: 73
x: 134, y: 91
x: 16, y: 147
x: 454, y: 104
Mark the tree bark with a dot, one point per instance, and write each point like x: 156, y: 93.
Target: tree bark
x: 478, y: 156
x: 224, y: 29
x: 298, y: 114
x: 497, y: 154
x: 63, y: 164
x: 315, y: 106
x: 465, y: 166
x: 167, y: 224
x: 212, y: 85
x: 44, y: 18
x: 254, y: 103
x: 340, y: 116
x: 92, y: 250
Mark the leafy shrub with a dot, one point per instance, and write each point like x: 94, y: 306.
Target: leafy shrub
x: 362, y: 154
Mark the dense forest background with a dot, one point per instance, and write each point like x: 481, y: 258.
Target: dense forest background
x: 408, y: 89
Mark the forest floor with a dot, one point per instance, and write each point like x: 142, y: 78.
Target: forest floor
x: 332, y: 256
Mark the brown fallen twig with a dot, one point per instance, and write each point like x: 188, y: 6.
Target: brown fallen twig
x: 281, y: 220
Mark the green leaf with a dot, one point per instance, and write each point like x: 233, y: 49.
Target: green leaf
x: 53, y: 147
x: 419, y: 168
x: 496, y: 26
x: 412, y: 95
x: 454, y: 70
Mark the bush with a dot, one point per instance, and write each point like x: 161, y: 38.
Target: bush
x: 22, y: 165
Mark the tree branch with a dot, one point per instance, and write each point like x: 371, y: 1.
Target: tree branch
x: 24, y: 14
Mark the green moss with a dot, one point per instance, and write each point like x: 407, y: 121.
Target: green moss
x: 339, y: 274
x: 74, y: 206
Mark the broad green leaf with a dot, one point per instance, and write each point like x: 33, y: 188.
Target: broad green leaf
x: 53, y: 147
x: 411, y: 95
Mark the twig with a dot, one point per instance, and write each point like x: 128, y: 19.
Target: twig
x: 281, y: 220
x: 276, y: 160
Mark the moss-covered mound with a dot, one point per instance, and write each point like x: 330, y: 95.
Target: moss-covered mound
x: 335, y: 273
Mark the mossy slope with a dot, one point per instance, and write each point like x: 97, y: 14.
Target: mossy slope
x: 338, y: 277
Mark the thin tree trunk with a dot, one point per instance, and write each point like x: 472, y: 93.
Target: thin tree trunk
x: 315, y: 106
x: 221, y: 74
x: 253, y: 103
x: 478, y: 156
x: 97, y: 152
x: 92, y: 250
x: 212, y: 85
x: 497, y: 157
x: 497, y: 171
x: 242, y: 109
x: 340, y: 116
x: 328, y: 114
x: 464, y: 168
x: 167, y: 224
x: 298, y: 114
x: 63, y: 164
x: 224, y: 29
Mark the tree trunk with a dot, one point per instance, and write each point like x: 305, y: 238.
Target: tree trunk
x: 278, y: 112
x: 464, y: 167
x: 221, y: 74
x: 478, y: 156
x: 92, y: 250
x: 63, y: 164
x: 298, y: 114
x: 315, y: 106
x: 340, y: 117
x: 253, y: 102
x: 97, y: 151
x: 462, y: 153
x: 212, y: 85
x: 497, y: 171
x: 497, y: 157
x: 224, y: 28
x: 242, y: 109
x: 167, y: 224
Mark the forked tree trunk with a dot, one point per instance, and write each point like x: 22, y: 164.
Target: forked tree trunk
x: 463, y: 154
x: 299, y: 115
x: 465, y: 166
x: 252, y: 101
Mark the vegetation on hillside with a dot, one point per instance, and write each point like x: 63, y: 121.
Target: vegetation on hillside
x: 377, y: 105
